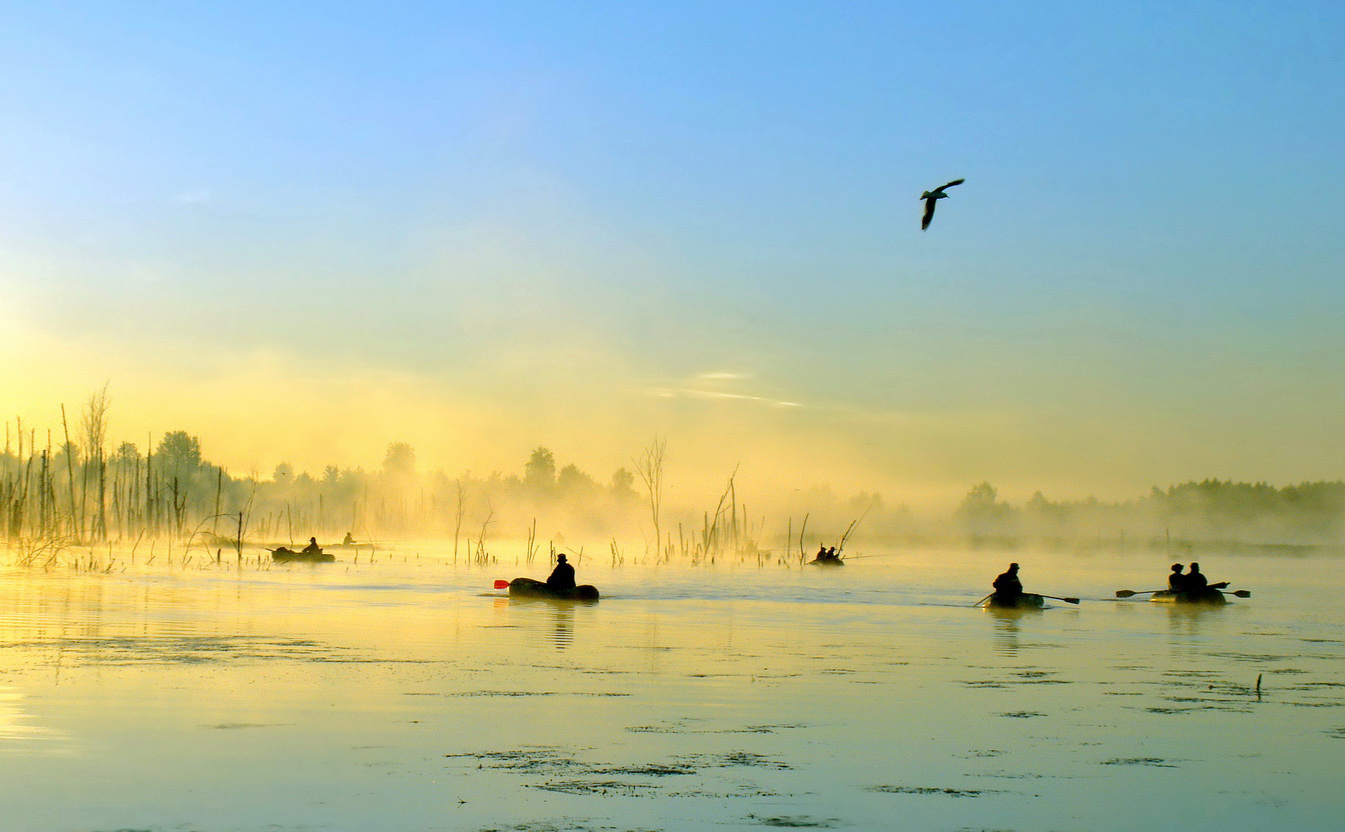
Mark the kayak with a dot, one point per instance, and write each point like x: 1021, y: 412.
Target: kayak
x: 1210, y: 596
x: 826, y: 562
x: 283, y: 555
x: 528, y: 588
x: 1026, y: 601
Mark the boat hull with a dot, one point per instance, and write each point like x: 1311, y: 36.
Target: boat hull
x: 1026, y: 601
x: 1208, y: 597
x: 285, y: 556
x: 529, y: 588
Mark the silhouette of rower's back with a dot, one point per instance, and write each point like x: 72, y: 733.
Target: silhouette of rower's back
x: 562, y: 577
x: 1007, y: 586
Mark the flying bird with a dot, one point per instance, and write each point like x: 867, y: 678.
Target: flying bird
x: 931, y: 197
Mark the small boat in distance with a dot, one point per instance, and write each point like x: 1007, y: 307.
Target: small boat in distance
x: 827, y: 557
x: 286, y: 555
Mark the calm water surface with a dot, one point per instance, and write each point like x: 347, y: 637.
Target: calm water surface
x: 405, y: 694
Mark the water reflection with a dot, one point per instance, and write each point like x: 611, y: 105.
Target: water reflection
x: 16, y: 726
x: 779, y: 695
x: 559, y: 614
x: 1006, y: 628
x: 563, y: 634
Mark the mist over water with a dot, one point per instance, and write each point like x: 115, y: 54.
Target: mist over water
x: 402, y: 692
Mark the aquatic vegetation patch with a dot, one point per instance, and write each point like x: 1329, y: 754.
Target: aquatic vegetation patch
x: 539, y: 760
x: 929, y: 790
x: 648, y: 770
x: 1338, y: 733
x: 680, y: 727
x: 560, y: 826
x: 1153, y: 762
x: 595, y: 787
x: 1250, y: 657
x: 734, y: 759
x: 170, y: 650
x: 1022, y: 714
x: 794, y: 822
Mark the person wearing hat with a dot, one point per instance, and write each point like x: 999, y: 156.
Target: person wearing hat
x: 562, y: 577
x: 1008, y: 589
x: 1177, y: 581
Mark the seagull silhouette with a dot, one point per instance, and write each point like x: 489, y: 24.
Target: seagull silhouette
x: 932, y: 197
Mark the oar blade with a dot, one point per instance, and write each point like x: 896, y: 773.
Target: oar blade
x: 501, y: 583
x: 1242, y: 593
x: 1125, y: 593
x: 1070, y: 600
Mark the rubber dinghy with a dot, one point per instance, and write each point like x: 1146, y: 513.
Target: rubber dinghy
x: 1026, y: 601
x: 529, y: 588
x: 283, y: 555
x: 1208, y: 596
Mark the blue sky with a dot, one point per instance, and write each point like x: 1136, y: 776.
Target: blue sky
x: 700, y: 220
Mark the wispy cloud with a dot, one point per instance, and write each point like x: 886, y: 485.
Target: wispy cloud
x: 196, y: 197
x: 715, y: 386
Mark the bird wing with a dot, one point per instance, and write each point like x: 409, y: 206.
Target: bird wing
x: 929, y: 213
x: 949, y: 185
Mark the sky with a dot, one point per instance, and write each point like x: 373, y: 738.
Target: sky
x: 303, y: 231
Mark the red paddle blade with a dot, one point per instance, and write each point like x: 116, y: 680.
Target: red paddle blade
x: 500, y: 583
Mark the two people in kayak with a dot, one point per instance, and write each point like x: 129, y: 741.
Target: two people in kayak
x: 825, y: 555
x: 1193, y: 581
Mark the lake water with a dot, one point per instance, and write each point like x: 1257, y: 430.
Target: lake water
x: 406, y: 694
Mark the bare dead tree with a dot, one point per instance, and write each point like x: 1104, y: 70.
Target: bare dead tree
x: 93, y: 430
x: 649, y: 468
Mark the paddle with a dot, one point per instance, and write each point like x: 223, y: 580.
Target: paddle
x: 500, y: 583
x: 1056, y: 598
x: 1126, y: 593
x: 983, y: 600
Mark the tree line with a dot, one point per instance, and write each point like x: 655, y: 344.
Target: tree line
x: 70, y: 486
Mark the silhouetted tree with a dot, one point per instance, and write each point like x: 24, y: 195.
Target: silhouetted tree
x: 400, y: 459
x: 179, y: 452
x: 539, y: 474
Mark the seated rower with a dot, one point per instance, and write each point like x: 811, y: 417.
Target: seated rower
x: 1197, y: 583
x: 312, y: 548
x: 1008, y: 589
x: 349, y: 540
x: 1176, y: 580
x: 562, y: 577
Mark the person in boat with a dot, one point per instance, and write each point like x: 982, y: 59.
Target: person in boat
x: 348, y: 540
x: 1197, y: 583
x: 1008, y: 589
x: 1176, y: 580
x: 562, y: 577
x: 312, y: 548
x: 822, y: 552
